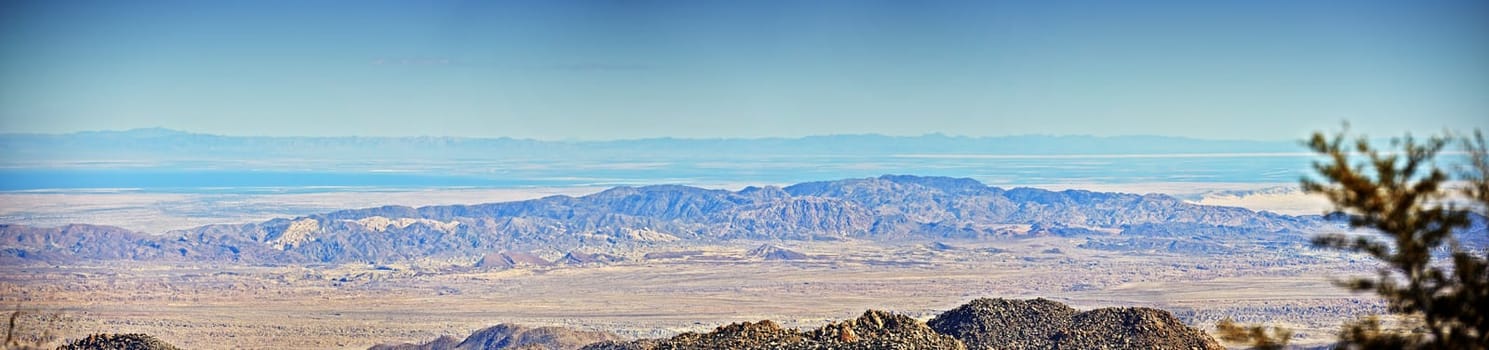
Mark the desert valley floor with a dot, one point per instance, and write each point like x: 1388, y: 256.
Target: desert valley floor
x: 679, y: 287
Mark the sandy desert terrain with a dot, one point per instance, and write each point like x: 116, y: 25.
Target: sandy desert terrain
x: 355, y: 306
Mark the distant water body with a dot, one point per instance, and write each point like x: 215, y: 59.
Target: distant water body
x: 1001, y: 170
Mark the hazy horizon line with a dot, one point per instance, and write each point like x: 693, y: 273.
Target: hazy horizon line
x: 167, y: 130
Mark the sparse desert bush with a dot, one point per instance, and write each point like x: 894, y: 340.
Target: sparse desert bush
x: 32, y: 329
x: 1402, y: 198
x: 1405, y: 204
x: 1256, y: 336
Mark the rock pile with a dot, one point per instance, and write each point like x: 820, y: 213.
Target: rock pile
x: 1132, y: 328
x: 981, y: 324
x: 133, y: 341
x: 873, y: 330
x: 882, y: 330
x: 1006, y: 324
x: 510, y: 337
x: 1043, y: 324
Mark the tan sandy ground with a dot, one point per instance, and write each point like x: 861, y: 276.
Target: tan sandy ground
x: 297, y: 307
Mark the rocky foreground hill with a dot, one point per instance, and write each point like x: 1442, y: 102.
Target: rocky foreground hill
x: 1043, y: 324
x: 874, y: 330
x: 886, y: 208
x: 514, y: 337
x: 133, y: 341
x: 980, y: 324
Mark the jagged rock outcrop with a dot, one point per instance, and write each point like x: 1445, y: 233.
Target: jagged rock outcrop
x: 873, y: 330
x: 507, y: 260
x: 774, y: 252
x: 506, y: 336
x: 133, y: 341
x: 444, y: 342
x: 1132, y: 328
x: 511, y: 337
x: 882, y: 330
x: 1005, y: 324
x: 1043, y: 324
x: 580, y: 258
x: 746, y: 335
x: 981, y: 324
x: 942, y: 246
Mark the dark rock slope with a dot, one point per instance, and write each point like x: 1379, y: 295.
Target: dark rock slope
x: 774, y: 252
x: 872, y: 330
x: 132, y: 341
x: 1006, y: 324
x: 511, y: 337
x: 980, y: 324
x: 1043, y: 324
x: 1132, y: 328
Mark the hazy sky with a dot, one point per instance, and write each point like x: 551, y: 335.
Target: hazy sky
x: 1247, y: 69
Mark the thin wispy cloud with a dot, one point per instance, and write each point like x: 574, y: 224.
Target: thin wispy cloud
x: 413, y: 61
x: 599, y: 67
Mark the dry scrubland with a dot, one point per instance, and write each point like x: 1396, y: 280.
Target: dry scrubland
x: 196, y: 306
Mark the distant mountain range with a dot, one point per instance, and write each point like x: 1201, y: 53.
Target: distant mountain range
x: 886, y: 208
x: 175, y: 161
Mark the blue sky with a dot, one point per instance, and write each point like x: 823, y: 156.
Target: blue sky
x: 1266, y: 70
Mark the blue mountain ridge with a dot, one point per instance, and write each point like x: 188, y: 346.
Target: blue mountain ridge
x: 887, y: 208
